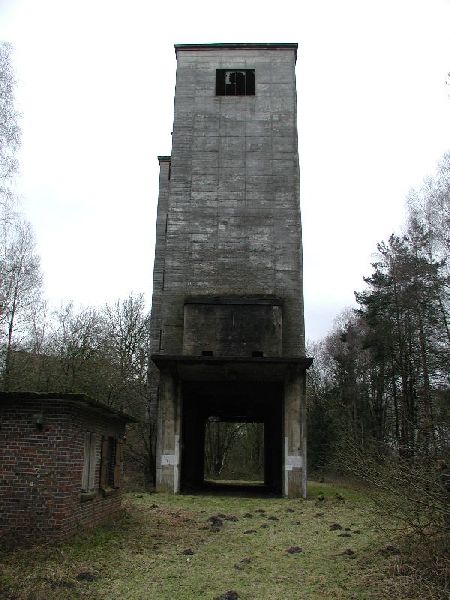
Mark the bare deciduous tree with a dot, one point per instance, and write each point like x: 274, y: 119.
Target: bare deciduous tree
x: 20, y: 288
x: 9, y: 129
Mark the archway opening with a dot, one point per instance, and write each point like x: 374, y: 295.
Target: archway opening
x: 234, y: 452
x: 231, y: 435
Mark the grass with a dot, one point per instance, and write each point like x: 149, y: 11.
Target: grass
x: 164, y: 547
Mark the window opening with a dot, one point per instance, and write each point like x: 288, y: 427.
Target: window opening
x: 207, y: 353
x: 235, y: 82
x: 90, y: 461
x: 111, y: 463
x: 257, y: 354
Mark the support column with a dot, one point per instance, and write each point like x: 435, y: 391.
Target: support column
x: 294, y: 430
x: 168, y: 444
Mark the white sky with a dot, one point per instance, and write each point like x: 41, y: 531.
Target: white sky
x: 96, y: 84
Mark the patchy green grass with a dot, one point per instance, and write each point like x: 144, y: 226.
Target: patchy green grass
x: 165, y: 547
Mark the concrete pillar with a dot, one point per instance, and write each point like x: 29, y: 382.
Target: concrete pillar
x: 169, y: 425
x: 294, y: 430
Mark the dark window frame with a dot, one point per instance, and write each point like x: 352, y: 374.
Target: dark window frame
x: 111, y: 463
x: 235, y: 82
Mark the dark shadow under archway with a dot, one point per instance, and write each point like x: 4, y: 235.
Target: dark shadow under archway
x: 236, y: 488
x: 239, y: 402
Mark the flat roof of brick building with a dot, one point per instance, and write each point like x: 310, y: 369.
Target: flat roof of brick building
x: 82, y: 400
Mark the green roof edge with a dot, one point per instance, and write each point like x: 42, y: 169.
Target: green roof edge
x: 247, y: 46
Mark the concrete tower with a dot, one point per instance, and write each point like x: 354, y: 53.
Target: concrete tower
x: 227, y: 314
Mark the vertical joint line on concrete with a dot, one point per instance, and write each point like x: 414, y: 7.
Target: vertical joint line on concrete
x: 176, y: 466
x: 286, y: 472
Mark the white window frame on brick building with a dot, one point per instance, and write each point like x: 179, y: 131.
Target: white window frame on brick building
x: 90, y: 462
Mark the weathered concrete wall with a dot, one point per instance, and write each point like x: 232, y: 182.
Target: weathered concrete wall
x: 233, y: 219
x: 158, y: 279
x: 232, y: 329
x: 229, y: 231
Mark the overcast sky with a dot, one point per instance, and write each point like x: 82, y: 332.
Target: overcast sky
x: 95, y: 87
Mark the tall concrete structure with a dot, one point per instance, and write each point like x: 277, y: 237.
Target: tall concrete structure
x: 227, y: 315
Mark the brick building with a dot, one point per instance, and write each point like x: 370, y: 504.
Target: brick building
x: 60, y: 465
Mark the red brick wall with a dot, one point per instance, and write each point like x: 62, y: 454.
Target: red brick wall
x: 41, y: 470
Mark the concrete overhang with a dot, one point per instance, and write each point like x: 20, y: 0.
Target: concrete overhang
x: 238, y: 300
x: 235, y: 46
x: 215, y: 368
